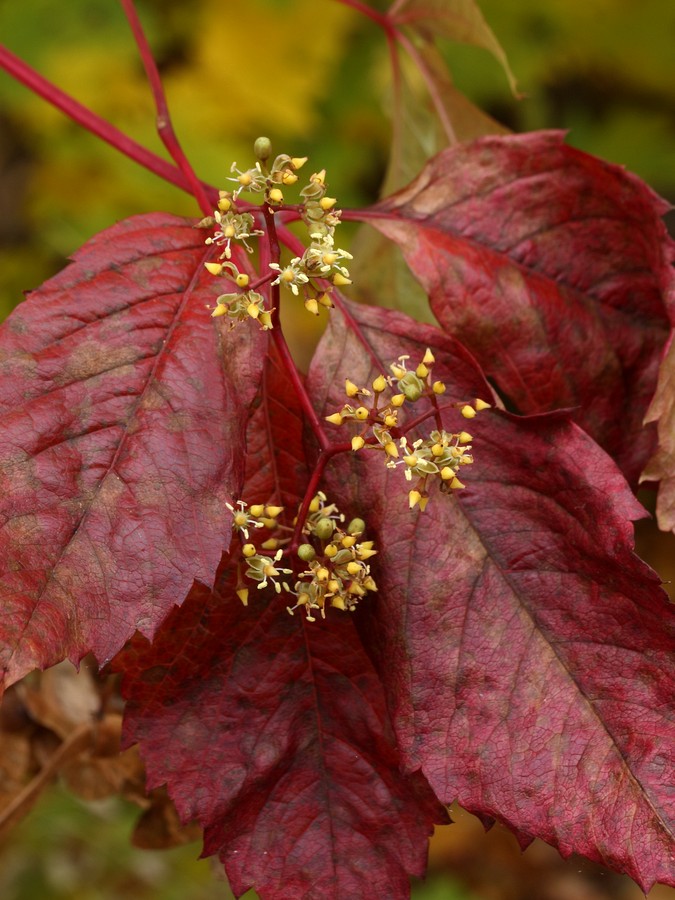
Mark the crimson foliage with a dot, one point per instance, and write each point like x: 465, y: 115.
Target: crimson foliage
x: 516, y: 656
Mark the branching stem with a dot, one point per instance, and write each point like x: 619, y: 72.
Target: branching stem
x: 164, y: 124
x: 94, y: 123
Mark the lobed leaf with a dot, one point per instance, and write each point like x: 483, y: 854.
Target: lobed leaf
x: 553, y: 268
x: 274, y: 736
x: 526, y: 652
x: 454, y: 20
x: 122, y: 411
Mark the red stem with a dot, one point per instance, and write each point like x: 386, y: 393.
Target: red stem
x: 26, y: 75
x: 164, y: 124
x: 382, y: 19
x: 280, y: 340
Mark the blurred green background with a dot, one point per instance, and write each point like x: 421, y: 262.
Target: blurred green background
x: 314, y: 77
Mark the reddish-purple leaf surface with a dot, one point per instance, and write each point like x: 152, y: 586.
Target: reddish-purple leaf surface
x: 554, y: 268
x: 276, y: 468
x: 273, y: 734
x: 526, y: 652
x: 122, y: 414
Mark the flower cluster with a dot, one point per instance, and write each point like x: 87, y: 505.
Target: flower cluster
x: 439, y: 455
x: 322, y: 260
x: 311, y: 275
x: 332, y: 565
x: 337, y: 573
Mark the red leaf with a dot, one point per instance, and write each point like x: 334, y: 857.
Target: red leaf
x: 525, y: 650
x: 274, y: 735
x: 553, y: 267
x: 276, y: 469
x: 123, y: 409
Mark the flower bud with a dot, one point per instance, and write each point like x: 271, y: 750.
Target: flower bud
x: 262, y: 148
x: 324, y: 528
x: 468, y: 412
x: 356, y: 526
x: 306, y: 552
x: 340, y: 280
x: 481, y: 404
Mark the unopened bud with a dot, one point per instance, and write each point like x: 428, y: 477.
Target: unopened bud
x: 213, y: 268
x: 468, y: 412
x: 262, y: 148
x: 357, y: 442
x: 356, y: 526
x: 324, y: 529
x: 339, y: 280
x: 306, y: 552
